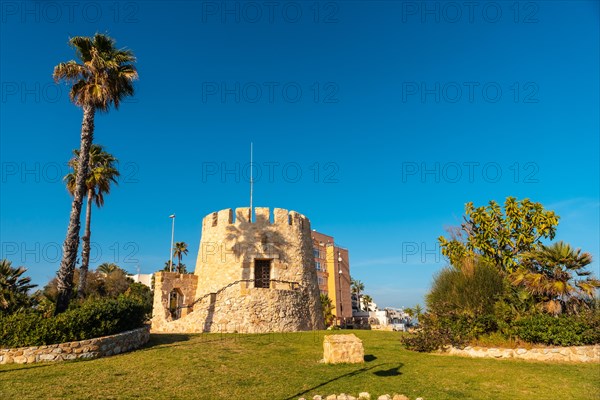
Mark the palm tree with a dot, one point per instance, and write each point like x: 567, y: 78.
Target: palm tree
x: 418, y: 311
x: 327, y: 307
x: 167, y: 268
x: 103, y: 77
x: 108, y: 268
x: 101, y: 172
x: 13, y: 287
x: 357, y: 288
x: 367, y: 300
x: 179, y: 251
x: 550, y: 273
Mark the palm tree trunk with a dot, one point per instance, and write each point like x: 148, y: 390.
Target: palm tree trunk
x: 85, y: 253
x: 179, y: 264
x: 64, y: 276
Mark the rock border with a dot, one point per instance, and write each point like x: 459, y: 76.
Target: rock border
x: 361, y: 396
x: 83, y: 349
x: 580, y: 354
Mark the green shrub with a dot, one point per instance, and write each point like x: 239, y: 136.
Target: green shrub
x: 559, y: 331
x: 472, y: 291
x: 449, y: 329
x: 93, y: 318
x: 461, y: 307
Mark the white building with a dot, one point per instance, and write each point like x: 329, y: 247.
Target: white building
x: 145, y: 279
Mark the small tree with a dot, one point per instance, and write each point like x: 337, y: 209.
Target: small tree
x: 107, y: 268
x: 327, y: 307
x: 181, y: 268
x: 498, y: 236
x: 418, y: 311
x: 357, y: 288
x: 367, y: 300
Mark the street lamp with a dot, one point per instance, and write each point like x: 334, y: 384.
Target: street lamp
x: 340, y: 285
x: 172, y: 216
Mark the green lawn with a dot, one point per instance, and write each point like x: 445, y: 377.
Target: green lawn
x: 285, y: 366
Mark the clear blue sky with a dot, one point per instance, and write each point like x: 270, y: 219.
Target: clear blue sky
x: 491, y: 101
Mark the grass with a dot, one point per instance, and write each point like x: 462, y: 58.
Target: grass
x: 285, y: 366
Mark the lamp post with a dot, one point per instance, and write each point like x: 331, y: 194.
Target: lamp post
x: 340, y: 285
x: 172, y: 216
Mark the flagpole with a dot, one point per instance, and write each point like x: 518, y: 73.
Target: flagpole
x: 172, y: 216
x: 251, y: 179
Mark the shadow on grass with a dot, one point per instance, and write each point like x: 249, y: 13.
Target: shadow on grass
x: 370, y: 357
x: 29, y: 366
x: 169, y: 339
x: 352, y: 374
x: 389, y: 372
x: 161, y: 339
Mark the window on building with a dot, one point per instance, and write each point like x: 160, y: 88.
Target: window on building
x: 316, y: 253
x: 262, y: 273
x: 318, y: 265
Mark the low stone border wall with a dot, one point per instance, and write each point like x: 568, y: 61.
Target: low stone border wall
x: 572, y: 354
x: 361, y: 396
x: 91, y: 348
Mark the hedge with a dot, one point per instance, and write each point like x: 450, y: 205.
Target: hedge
x: 558, y: 331
x: 94, y: 318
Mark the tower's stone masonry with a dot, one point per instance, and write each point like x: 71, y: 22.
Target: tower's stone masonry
x: 250, y: 276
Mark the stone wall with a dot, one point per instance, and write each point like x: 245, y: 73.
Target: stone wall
x: 361, y: 396
x: 164, y: 283
x: 256, y: 311
x: 91, y: 348
x: 573, y: 354
x: 226, y: 297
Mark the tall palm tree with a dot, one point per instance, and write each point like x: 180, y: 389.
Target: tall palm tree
x: 179, y: 250
x: 557, y: 276
x: 101, y: 173
x: 103, y: 77
x: 357, y: 288
x: 13, y: 287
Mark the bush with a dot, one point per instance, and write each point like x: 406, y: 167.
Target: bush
x: 93, y: 318
x: 461, y: 307
x: 472, y: 291
x: 559, y: 331
x: 450, y: 329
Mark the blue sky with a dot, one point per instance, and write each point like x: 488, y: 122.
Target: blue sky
x: 379, y: 119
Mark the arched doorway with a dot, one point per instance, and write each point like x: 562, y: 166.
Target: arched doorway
x: 175, y: 303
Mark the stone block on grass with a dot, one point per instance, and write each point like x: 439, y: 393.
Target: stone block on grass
x: 343, y: 349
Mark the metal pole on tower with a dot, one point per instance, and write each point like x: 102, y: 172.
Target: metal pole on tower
x: 172, y: 216
x: 251, y: 179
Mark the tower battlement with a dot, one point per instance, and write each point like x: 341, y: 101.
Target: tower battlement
x: 262, y: 216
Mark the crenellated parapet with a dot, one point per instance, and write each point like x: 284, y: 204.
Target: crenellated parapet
x: 262, y: 217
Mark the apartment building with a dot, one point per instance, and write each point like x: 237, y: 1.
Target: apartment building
x: 333, y: 272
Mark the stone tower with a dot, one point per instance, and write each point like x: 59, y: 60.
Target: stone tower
x: 250, y: 276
